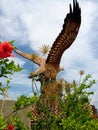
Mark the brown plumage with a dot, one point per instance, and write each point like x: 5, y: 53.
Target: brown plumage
x: 63, y: 41
x: 67, y: 36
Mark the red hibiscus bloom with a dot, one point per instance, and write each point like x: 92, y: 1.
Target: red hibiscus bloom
x: 5, y: 50
x: 11, y: 127
x: 94, y: 116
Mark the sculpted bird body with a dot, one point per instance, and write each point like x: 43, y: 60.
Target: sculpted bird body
x: 51, y: 66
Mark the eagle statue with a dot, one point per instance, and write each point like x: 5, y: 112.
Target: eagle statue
x: 51, y: 66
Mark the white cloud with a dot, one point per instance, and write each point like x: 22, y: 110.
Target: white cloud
x: 17, y: 60
x: 12, y: 95
x: 21, y: 78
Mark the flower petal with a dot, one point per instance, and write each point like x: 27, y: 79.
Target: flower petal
x: 6, y: 50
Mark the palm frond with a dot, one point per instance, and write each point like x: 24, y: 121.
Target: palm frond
x: 44, y: 49
x: 34, y: 56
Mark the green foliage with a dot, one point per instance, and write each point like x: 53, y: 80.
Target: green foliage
x: 12, y: 42
x: 75, y: 111
x: 71, y: 123
x: 24, y: 101
x: 2, y: 123
x: 18, y: 124
x: 8, y: 67
x: 45, y: 120
x: 78, y: 99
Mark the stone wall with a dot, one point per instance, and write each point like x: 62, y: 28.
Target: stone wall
x: 8, y: 109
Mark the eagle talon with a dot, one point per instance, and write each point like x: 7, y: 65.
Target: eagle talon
x: 30, y: 76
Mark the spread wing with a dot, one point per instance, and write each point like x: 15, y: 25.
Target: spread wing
x: 67, y: 36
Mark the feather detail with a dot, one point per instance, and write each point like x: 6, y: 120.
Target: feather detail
x: 67, y: 36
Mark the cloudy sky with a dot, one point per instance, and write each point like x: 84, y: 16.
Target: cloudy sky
x: 34, y: 23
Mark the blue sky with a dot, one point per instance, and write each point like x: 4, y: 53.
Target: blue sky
x: 34, y: 23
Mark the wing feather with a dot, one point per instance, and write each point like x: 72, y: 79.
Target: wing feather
x: 67, y: 36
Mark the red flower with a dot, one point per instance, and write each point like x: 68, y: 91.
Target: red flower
x: 11, y: 127
x: 5, y: 50
x: 94, y: 116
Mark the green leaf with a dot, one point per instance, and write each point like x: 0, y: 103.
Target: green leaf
x: 12, y: 42
x: 2, y: 123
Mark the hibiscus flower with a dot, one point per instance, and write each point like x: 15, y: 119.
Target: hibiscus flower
x: 94, y: 116
x: 11, y: 127
x: 5, y: 50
